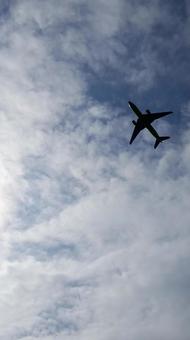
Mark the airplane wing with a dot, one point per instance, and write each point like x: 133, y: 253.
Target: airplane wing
x: 136, y: 131
x: 135, y: 109
x: 160, y: 114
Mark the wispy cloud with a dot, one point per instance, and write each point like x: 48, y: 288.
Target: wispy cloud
x: 94, y: 235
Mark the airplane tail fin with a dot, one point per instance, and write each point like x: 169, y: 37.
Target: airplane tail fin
x: 159, y: 140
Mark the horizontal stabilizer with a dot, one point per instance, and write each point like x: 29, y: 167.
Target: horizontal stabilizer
x: 159, y: 140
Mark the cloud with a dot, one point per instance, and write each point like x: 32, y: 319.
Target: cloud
x: 94, y: 234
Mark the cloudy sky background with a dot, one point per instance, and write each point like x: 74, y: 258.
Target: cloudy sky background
x: 95, y: 233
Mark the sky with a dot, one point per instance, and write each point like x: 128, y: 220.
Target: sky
x: 95, y: 232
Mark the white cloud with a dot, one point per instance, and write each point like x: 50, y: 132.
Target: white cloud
x: 94, y: 235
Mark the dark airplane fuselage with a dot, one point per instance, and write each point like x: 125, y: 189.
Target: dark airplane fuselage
x: 146, y: 118
x: 145, y: 122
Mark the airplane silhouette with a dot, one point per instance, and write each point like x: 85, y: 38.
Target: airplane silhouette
x: 144, y: 121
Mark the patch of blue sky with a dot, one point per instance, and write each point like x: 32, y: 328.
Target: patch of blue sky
x: 37, y: 205
x: 36, y: 208
x: 46, y: 250
x: 171, y: 59
x: 5, y: 7
x: 51, y: 326
x: 59, y: 317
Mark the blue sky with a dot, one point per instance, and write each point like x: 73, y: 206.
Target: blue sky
x: 94, y: 232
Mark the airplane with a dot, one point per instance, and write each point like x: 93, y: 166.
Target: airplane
x: 144, y: 121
